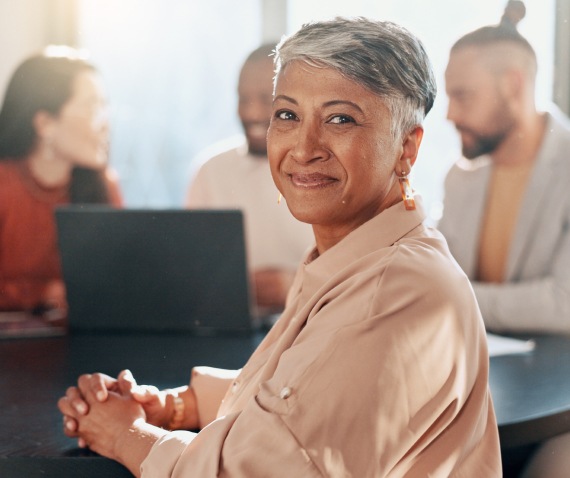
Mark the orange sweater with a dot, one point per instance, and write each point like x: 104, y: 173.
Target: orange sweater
x: 30, y: 271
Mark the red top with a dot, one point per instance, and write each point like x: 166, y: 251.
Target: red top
x: 30, y: 270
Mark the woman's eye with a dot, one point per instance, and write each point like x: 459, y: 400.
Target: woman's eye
x: 285, y: 115
x: 341, y: 119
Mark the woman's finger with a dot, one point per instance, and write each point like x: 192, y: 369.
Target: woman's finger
x: 96, y: 385
x: 126, y: 382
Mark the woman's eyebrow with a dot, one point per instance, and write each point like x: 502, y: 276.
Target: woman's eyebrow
x: 326, y: 104
x: 343, y: 102
x: 285, y: 98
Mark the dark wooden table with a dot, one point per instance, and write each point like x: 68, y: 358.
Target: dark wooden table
x: 531, y: 391
x: 34, y: 373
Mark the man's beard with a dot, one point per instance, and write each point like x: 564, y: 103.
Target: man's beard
x: 257, y: 150
x: 256, y: 138
x: 482, y: 144
x: 503, y: 122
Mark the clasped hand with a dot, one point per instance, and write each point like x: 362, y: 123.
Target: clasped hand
x: 100, y: 409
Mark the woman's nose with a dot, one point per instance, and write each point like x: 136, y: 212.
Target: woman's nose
x: 309, y: 145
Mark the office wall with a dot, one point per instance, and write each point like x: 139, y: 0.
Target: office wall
x: 23, y: 30
x: 26, y: 26
x: 562, y: 56
x: 274, y: 19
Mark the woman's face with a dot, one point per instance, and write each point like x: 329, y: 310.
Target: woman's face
x: 330, y: 149
x: 80, y: 131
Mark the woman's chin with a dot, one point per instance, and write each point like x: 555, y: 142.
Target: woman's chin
x: 96, y: 161
x: 312, y: 214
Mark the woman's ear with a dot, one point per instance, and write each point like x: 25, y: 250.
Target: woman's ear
x: 43, y: 124
x: 411, y: 145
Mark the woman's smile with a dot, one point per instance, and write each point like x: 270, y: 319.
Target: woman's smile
x: 330, y: 149
x: 312, y: 180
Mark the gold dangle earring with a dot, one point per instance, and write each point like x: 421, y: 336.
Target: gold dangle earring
x: 279, y: 198
x: 407, y: 191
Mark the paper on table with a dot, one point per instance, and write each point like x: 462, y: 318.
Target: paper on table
x: 24, y: 324
x: 499, y: 345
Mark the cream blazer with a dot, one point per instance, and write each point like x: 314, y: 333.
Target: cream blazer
x: 536, y: 293
x: 377, y: 368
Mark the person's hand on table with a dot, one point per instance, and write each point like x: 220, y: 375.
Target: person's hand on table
x: 74, y: 404
x: 104, y: 427
x: 157, y: 407
x: 103, y: 413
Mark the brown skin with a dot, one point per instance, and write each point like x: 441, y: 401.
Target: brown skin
x: 331, y: 152
x: 255, y: 95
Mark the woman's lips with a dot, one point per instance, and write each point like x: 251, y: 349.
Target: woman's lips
x: 312, y: 180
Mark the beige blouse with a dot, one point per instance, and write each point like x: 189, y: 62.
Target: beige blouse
x: 377, y: 368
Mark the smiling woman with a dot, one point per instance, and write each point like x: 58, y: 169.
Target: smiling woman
x: 331, y: 151
x: 378, y: 366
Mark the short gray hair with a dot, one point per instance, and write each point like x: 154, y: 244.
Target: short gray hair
x: 383, y: 57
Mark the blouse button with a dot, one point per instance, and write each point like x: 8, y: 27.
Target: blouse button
x: 285, y: 393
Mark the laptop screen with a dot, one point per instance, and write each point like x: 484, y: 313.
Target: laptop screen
x: 154, y: 270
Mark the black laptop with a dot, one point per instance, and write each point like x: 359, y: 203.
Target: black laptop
x: 154, y: 270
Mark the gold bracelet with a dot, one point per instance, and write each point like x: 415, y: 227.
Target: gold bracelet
x: 177, y: 412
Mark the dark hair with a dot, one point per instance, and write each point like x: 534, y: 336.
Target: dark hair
x: 515, y: 11
x: 506, y: 31
x: 44, y: 82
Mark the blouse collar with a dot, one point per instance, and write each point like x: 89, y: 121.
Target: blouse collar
x: 380, y: 232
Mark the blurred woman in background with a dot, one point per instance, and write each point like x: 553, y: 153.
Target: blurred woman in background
x: 53, y: 151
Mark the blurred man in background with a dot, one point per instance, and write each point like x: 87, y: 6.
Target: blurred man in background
x: 507, y: 201
x: 239, y: 177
